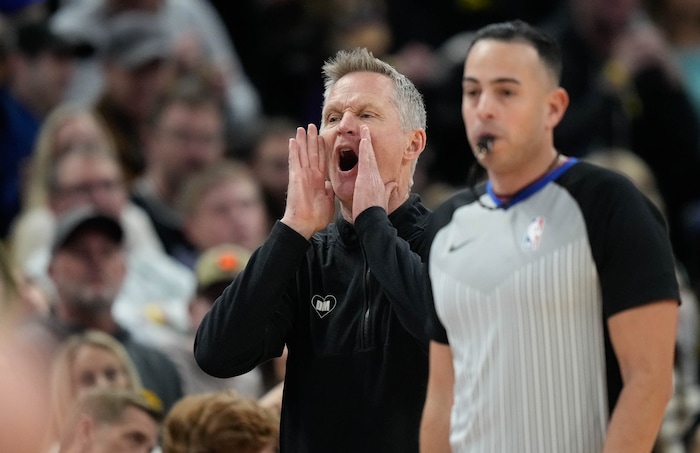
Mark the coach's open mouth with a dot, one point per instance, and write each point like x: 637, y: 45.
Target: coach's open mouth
x: 347, y: 159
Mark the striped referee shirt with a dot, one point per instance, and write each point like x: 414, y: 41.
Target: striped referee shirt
x: 521, y: 294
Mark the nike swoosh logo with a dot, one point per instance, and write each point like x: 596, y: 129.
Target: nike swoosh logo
x: 455, y: 247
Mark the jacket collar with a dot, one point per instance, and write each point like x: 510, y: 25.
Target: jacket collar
x: 404, y: 219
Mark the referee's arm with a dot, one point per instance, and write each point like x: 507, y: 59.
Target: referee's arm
x: 435, y: 425
x: 643, y: 339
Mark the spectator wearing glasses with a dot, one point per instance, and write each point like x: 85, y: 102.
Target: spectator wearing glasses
x: 73, y: 129
x: 76, y: 166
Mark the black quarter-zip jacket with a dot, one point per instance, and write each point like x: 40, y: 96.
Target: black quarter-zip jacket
x: 348, y: 305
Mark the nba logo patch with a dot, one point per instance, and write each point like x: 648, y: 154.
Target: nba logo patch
x: 533, y: 234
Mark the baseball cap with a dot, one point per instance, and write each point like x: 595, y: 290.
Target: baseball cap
x: 136, y: 38
x: 219, y: 264
x: 81, y: 219
x: 35, y: 37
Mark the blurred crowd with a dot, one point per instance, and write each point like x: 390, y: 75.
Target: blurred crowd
x: 143, y: 158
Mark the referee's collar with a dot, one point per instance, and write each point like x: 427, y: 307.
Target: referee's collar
x: 529, y: 190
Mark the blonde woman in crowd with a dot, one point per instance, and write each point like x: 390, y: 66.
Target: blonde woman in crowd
x: 87, y: 360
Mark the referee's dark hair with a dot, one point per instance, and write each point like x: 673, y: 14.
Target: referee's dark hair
x: 517, y: 30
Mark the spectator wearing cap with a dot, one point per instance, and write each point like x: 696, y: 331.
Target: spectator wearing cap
x: 215, y: 269
x: 200, y: 41
x: 39, y: 68
x: 136, y: 63
x: 76, y: 166
x: 87, y: 267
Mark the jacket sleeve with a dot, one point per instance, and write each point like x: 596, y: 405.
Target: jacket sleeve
x: 398, y: 269
x: 249, y: 322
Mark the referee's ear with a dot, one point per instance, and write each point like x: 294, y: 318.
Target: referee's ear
x: 557, y: 103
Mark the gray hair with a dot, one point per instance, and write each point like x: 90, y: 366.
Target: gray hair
x: 406, y: 97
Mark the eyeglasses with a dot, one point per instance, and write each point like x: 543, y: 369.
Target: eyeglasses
x: 87, y: 189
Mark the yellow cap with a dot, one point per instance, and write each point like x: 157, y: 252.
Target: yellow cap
x: 221, y: 263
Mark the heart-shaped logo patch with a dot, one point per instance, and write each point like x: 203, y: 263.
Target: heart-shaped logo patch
x: 323, y: 305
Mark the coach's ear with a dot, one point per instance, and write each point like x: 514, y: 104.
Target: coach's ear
x: 416, y: 144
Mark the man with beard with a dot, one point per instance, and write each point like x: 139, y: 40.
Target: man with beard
x: 87, y: 268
